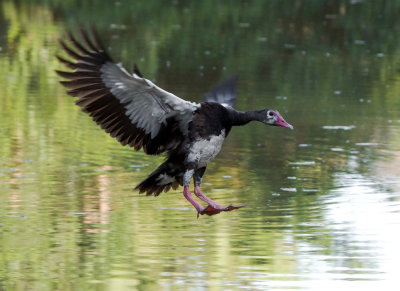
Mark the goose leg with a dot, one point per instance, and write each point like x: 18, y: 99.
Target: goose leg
x: 213, y: 207
x: 189, y: 198
x: 187, y: 176
x: 203, y: 197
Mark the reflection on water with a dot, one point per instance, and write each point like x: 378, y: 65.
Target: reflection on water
x: 323, y: 201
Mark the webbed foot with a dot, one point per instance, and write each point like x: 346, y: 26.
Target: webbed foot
x: 213, y: 209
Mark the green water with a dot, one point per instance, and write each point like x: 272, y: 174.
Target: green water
x: 323, y: 200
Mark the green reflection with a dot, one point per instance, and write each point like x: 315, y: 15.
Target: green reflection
x: 69, y: 217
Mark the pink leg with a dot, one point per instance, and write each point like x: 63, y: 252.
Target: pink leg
x: 189, y: 197
x: 213, y: 207
x: 203, y: 197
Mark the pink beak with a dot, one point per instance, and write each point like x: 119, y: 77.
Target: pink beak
x: 281, y: 121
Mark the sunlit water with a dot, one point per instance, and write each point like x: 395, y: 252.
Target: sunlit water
x: 323, y: 201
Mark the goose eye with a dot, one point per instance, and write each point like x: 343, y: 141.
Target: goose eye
x: 270, y: 113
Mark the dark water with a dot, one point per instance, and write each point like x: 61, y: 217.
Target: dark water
x: 323, y: 201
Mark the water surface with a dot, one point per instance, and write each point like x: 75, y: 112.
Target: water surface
x: 323, y: 208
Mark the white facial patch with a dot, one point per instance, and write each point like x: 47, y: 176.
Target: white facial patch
x: 202, y: 151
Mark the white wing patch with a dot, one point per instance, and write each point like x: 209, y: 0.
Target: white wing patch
x: 147, y: 105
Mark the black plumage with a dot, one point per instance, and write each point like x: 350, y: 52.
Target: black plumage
x: 137, y: 113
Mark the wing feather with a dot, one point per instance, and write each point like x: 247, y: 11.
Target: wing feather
x: 129, y: 107
x: 224, y: 93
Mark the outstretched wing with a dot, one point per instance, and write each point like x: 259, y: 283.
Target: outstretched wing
x: 224, y: 92
x: 129, y: 107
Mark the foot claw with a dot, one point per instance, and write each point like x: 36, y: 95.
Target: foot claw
x: 211, y: 210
